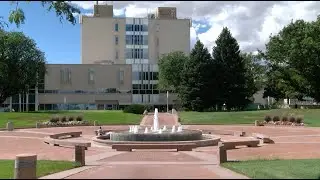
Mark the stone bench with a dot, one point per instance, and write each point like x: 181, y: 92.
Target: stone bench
x: 225, y: 132
x: 231, y: 144
x: 263, y: 138
x: 79, y: 148
x: 179, y: 147
x: 224, y: 146
x: 65, y: 134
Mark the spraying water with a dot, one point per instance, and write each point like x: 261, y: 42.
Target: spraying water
x: 155, y: 120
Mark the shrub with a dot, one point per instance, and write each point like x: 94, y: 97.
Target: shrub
x: 267, y: 118
x: 284, y: 118
x: 275, y: 118
x: 149, y: 108
x: 134, y: 108
x: 292, y: 119
x: 299, y: 120
x: 63, y: 119
x: 79, y: 118
x: 71, y: 118
x: 54, y: 120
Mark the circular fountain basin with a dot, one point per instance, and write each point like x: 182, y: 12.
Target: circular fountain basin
x: 166, y: 137
x: 185, y: 135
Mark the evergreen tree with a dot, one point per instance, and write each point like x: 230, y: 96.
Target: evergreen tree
x: 195, y: 90
x: 234, y: 81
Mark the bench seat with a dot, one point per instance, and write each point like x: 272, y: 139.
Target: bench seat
x: 65, y: 134
x: 231, y: 144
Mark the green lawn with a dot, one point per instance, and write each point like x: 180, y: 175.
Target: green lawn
x: 27, y: 120
x: 311, y: 116
x: 44, y: 168
x: 277, y: 169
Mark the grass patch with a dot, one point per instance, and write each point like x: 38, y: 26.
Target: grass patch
x: 277, y: 169
x: 44, y: 168
x: 28, y: 120
x: 311, y: 116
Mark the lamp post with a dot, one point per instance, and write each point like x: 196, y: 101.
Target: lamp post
x: 167, y: 101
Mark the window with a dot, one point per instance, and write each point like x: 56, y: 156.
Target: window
x: 90, y: 76
x: 145, y: 54
x: 65, y: 76
x: 117, y: 55
x: 116, y: 27
x: 69, y: 76
x: 61, y: 76
x: 121, y: 78
x: 116, y: 40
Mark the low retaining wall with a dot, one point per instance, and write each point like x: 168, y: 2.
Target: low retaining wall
x: 210, y: 140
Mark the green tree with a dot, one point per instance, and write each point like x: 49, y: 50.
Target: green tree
x: 170, y: 69
x: 196, y: 90
x: 256, y: 68
x: 20, y: 64
x: 294, y: 51
x: 236, y: 82
x: 63, y: 10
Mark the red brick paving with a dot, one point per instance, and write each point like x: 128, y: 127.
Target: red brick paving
x: 290, y: 143
x: 151, y: 156
x: 146, y: 172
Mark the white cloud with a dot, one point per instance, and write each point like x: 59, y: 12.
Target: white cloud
x: 193, y: 37
x: 250, y: 22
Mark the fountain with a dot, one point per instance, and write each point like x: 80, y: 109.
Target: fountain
x: 155, y: 120
x: 146, y: 130
x: 156, y: 134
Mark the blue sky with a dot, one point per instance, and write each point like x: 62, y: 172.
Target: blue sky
x: 59, y: 41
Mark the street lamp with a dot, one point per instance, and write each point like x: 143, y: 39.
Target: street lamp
x: 167, y: 101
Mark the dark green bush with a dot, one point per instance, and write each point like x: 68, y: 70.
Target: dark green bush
x: 299, y: 120
x: 275, y: 118
x: 63, y: 119
x: 292, y: 119
x: 71, y: 118
x: 79, y: 118
x: 285, y: 119
x: 135, y: 109
x: 54, y: 119
x: 267, y: 118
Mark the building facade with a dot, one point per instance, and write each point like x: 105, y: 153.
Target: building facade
x: 118, y: 67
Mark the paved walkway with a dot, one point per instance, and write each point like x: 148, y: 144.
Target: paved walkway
x: 166, y: 119
x: 103, y: 162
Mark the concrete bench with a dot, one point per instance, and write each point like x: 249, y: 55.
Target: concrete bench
x: 66, y: 134
x: 79, y: 148
x: 179, y: 147
x: 224, y: 146
x: 263, y: 138
x: 231, y: 144
x: 225, y: 132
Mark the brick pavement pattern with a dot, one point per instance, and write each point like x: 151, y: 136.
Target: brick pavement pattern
x: 290, y: 143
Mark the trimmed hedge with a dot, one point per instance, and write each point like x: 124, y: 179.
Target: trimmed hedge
x: 135, y: 109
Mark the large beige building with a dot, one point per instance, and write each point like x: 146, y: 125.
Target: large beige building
x: 118, y: 63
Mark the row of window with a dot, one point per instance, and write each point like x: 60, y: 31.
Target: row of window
x: 144, y: 86
x: 141, y: 91
x: 137, y: 54
x: 137, y: 27
x: 145, y: 75
x: 99, y: 91
x: 65, y: 76
x: 136, y: 39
